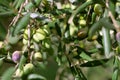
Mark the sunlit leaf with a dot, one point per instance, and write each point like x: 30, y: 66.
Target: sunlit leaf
x: 30, y: 5
x: 19, y: 3
x: 8, y: 74
x: 2, y: 32
x: 13, y: 39
x: 85, y: 56
x: 94, y: 63
x: 22, y: 23
x: 106, y: 42
x: 36, y: 77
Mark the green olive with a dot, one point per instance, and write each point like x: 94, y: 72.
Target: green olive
x: 28, y: 68
x: 98, y: 9
x: 46, y: 44
x: 24, y: 41
x: 46, y: 29
x: 25, y: 35
x: 73, y: 29
x: 82, y: 22
x: 94, y: 37
x: 67, y: 5
x: 39, y: 35
x: 19, y: 72
x: 73, y: 6
x: 38, y: 56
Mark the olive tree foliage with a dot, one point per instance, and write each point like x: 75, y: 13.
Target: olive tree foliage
x: 75, y: 34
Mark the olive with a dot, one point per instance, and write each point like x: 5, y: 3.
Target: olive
x: 118, y: 37
x: 82, y: 22
x: 19, y: 72
x: 98, y: 9
x: 82, y: 33
x: 28, y: 68
x: 38, y: 56
x: 16, y: 56
x: 39, y: 35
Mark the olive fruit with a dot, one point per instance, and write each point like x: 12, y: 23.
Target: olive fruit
x: 25, y: 35
x: 67, y: 5
x: 73, y: 29
x: 24, y: 41
x: 39, y: 35
x: 16, y: 56
x: 73, y: 6
x: 38, y: 56
x: 19, y: 72
x: 46, y: 43
x: 82, y: 22
x: 46, y: 29
x: 82, y: 33
x: 98, y: 9
x: 118, y: 37
x: 28, y: 68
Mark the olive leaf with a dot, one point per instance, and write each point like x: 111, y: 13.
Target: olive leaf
x: 22, y: 23
x: 36, y: 77
x: 8, y: 74
x: 2, y: 32
x: 32, y: 4
x: 94, y: 63
x: 103, y: 22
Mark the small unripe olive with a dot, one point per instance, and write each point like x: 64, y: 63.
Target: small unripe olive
x: 73, y: 29
x: 40, y: 31
x: 16, y: 56
x: 28, y: 68
x: 98, y: 9
x: 46, y: 44
x: 82, y: 22
x: 46, y: 29
x: 39, y: 35
x: 25, y: 35
x: 38, y: 56
x: 67, y: 5
x: 24, y: 41
x: 73, y: 6
x: 82, y: 33
x: 19, y: 72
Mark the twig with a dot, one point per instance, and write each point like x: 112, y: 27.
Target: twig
x: 117, y: 27
x: 29, y: 40
x: 15, y: 19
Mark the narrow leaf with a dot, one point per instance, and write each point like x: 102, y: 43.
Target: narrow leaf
x: 85, y: 56
x: 79, y: 9
x: 32, y: 4
x: 2, y: 32
x: 8, y: 74
x: 115, y: 75
x: 36, y: 77
x: 22, y: 62
x: 22, y: 23
x: 19, y: 2
x: 106, y: 42
x: 94, y: 63
x: 105, y: 23
x: 96, y: 26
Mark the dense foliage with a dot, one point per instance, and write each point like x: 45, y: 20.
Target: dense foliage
x: 59, y: 39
